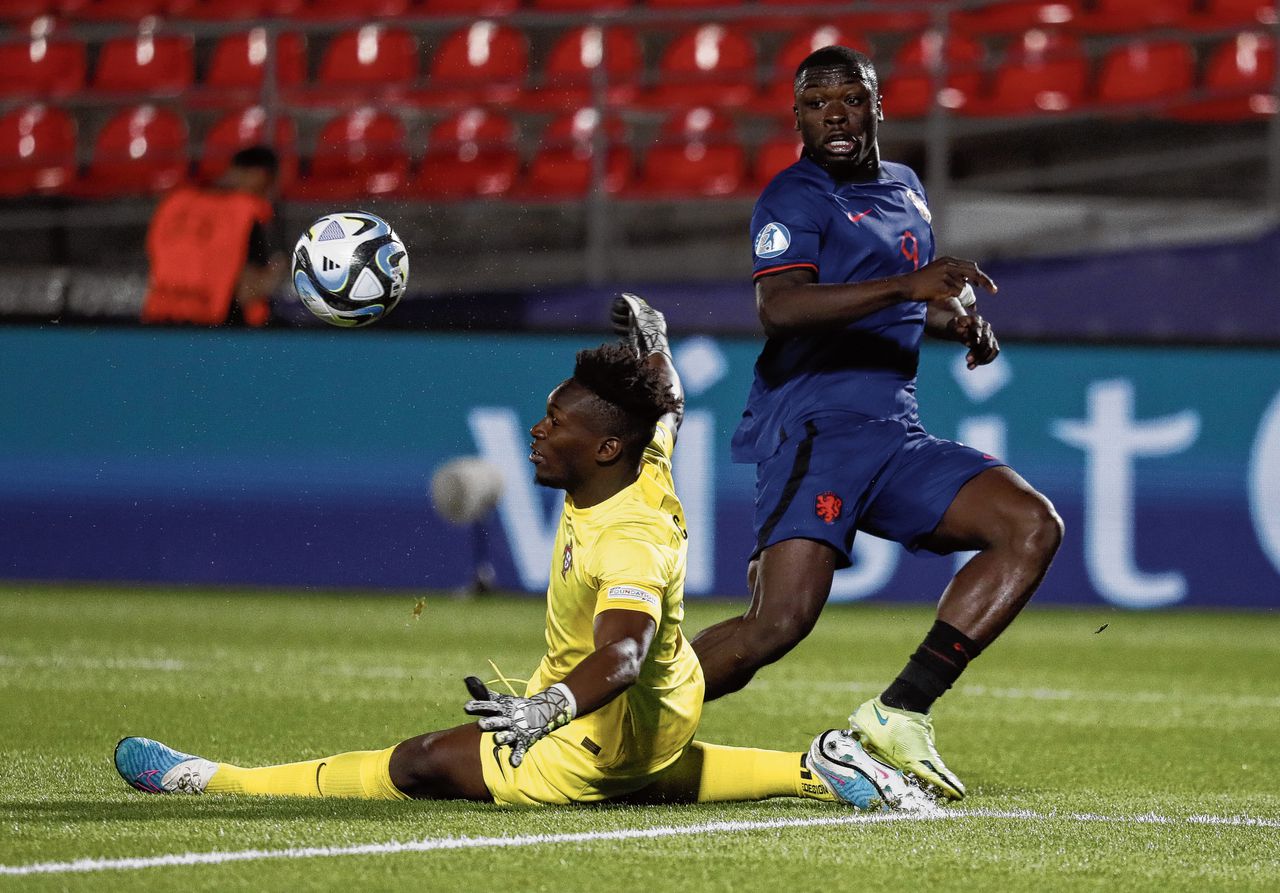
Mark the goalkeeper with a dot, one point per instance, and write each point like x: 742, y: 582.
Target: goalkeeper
x: 612, y: 708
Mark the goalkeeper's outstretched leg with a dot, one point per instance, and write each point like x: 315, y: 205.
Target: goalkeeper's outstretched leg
x: 441, y: 765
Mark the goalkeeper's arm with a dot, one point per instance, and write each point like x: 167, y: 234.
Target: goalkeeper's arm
x: 622, y: 640
x: 645, y: 329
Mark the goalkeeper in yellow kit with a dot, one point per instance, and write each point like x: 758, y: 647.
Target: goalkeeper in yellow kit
x: 612, y: 709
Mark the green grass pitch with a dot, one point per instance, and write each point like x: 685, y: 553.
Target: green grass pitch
x: 1139, y: 756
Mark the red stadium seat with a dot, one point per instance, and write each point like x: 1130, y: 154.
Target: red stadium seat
x: 567, y: 79
x: 707, y: 65
x: 778, y: 95
x: 471, y: 153
x: 1220, y: 14
x: 141, y: 150
x: 1014, y: 16
x: 242, y: 129
x: 698, y: 155
x: 772, y: 156
x: 145, y: 64
x: 358, y: 154
x: 564, y: 165
x: 239, y: 61
x: 1240, y: 78
x: 37, y: 150
x: 367, y: 62
x: 691, y: 4
x: 897, y: 16
x: 322, y: 10
x: 908, y: 85
x: 1111, y: 16
x: 238, y: 10
x: 120, y: 10
x: 1044, y: 71
x: 477, y: 8
x: 483, y: 63
x: 586, y: 6
x: 26, y: 10
x: 42, y: 67
x: 1142, y: 72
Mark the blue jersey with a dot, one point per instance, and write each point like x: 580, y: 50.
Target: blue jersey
x: 845, y: 232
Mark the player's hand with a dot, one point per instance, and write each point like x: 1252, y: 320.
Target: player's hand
x: 975, y: 333
x: 519, y: 722
x: 940, y: 281
x: 639, y: 324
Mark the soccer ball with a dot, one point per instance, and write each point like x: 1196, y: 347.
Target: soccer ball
x: 350, y: 268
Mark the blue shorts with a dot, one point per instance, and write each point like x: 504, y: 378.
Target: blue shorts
x: 842, y: 473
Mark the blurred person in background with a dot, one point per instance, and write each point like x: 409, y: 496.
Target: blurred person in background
x: 210, y: 262
x: 846, y: 285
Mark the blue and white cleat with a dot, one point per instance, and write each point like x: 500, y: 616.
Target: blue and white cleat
x: 861, y: 780
x: 155, y: 768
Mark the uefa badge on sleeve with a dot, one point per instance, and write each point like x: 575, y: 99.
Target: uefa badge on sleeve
x: 772, y: 240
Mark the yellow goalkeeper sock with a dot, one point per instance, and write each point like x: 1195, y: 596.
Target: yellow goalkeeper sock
x: 362, y: 774
x: 708, y: 773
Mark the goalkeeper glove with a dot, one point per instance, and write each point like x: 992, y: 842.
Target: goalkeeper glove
x: 520, y: 722
x: 640, y: 325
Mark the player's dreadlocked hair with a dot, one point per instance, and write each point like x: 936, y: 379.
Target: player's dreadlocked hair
x: 632, y: 394
x: 837, y: 57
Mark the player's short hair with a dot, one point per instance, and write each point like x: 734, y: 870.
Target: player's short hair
x: 262, y: 158
x: 838, y: 56
x: 632, y: 395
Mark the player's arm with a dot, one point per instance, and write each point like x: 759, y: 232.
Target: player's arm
x: 645, y: 329
x: 952, y: 322
x: 262, y: 273
x: 793, y: 301
x: 622, y: 640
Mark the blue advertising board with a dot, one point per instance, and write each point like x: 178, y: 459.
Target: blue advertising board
x: 304, y: 459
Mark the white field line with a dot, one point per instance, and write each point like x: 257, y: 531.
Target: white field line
x: 431, y: 844
x: 1047, y: 694
x: 355, y: 671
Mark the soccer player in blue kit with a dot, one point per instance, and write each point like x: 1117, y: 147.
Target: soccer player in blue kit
x: 846, y: 285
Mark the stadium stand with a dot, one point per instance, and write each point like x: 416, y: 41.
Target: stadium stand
x: 360, y: 153
x: 909, y: 91
x: 483, y: 63
x: 486, y: 8
x: 37, y: 150
x: 1126, y: 16
x: 1238, y: 81
x: 698, y: 154
x: 244, y: 128
x: 375, y: 108
x: 706, y: 65
x: 238, y: 64
x: 42, y: 67
x: 142, y: 150
x: 567, y: 78
x: 145, y: 65
x: 1043, y: 71
x: 1142, y: 71
x: 1018, y: 16
x: 247, y: 11
x: 563, y: 165
x: 345, y: 10
x: 372, y: 62
x: 471, y: 153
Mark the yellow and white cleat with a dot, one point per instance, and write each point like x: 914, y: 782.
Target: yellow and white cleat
x: 904, y: 740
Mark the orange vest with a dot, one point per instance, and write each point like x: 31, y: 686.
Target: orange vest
x: 197, y: 243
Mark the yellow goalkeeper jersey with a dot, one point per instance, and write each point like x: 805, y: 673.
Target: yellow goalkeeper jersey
x: 627, y: 553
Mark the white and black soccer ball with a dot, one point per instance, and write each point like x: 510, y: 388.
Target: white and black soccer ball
x: 350, y: 268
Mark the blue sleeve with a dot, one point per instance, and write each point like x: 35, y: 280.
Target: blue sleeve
x: 784, y: 234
